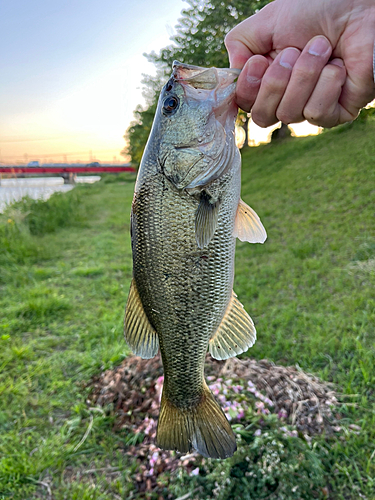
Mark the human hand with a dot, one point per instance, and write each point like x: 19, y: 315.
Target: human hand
x: 305, y: 59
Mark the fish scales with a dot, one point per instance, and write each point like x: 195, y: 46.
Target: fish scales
x: 186, y: 213
x: 186, y: 289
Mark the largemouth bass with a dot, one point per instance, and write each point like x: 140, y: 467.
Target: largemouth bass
x: 186, y: 215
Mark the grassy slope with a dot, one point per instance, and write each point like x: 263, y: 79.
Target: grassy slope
x: 310, y: 290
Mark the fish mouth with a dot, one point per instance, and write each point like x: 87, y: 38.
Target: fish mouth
x: 204, y: 78
x: 217, y: 85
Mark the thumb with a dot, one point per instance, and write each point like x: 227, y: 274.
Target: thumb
x: 252, y: 36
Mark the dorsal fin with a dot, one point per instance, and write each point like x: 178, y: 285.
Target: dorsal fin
x: 139, y: 333
x: 248, y: 226
x: 236, y: 332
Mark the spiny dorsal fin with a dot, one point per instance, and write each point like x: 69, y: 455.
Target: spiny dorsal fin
x: 139, y: 334
x: 206, y: 219
x: 248, y: 226
x: 236, y: 333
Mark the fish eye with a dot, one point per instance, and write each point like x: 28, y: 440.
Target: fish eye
x: 170, y: 105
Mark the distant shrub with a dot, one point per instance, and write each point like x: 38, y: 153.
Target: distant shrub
x: 25, y: 221
x: 60, y: 210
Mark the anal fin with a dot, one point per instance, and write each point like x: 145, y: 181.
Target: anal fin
x: 248, y: 226
x: 139, y: 333
x: 236, y: 333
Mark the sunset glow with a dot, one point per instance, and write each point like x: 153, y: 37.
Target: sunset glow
x: 71, y: 77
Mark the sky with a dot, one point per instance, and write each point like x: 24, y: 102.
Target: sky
x: 71, y: 74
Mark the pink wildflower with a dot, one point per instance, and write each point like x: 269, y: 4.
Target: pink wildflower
x: 282, y: 413
x: 195, y: 472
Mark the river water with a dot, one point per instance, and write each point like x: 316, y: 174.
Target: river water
x: 38, y: 188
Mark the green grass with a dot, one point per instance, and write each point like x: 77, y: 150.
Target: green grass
x: 61, y: 323
x: 309, y: 289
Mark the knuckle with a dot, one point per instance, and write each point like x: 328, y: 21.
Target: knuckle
x: 315, y: 113
x: 245, y: 100
x: 334, y: 75
x: 273, y: 85
x: 286, y: 117
x: 352, y: 116
x: 326, y: 122
x: 262, y: 120
x: 322, y: 117
x: 244, y: 104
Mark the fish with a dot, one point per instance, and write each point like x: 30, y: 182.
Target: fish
x: 186, y: 215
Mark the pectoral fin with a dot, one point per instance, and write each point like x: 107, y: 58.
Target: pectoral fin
x: 206, y: 219
x: 139, y: 334
x: 247, y: 226
x: 236, y: 333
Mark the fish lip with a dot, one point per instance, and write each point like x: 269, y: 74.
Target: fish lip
x: 191, y: 67
x: 203, y: 78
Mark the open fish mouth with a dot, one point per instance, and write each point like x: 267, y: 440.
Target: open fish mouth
x: 217, y: 85
x: 204, y: 78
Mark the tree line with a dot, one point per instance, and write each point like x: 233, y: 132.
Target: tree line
x: 199, y: 40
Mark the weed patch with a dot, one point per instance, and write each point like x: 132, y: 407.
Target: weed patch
x: 60, y: 210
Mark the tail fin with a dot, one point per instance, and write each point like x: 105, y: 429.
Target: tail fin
x: 203, y: 427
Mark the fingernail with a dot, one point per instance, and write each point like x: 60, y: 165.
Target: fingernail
x: 337, y: 62
x: 254, y: 71
x: 289, y: 57
x: 319, y: 46
x: 252, y: 79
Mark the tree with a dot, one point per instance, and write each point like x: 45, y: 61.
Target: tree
x: 137, y: 134
x: 199, y: 40
x: 201, y: 30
